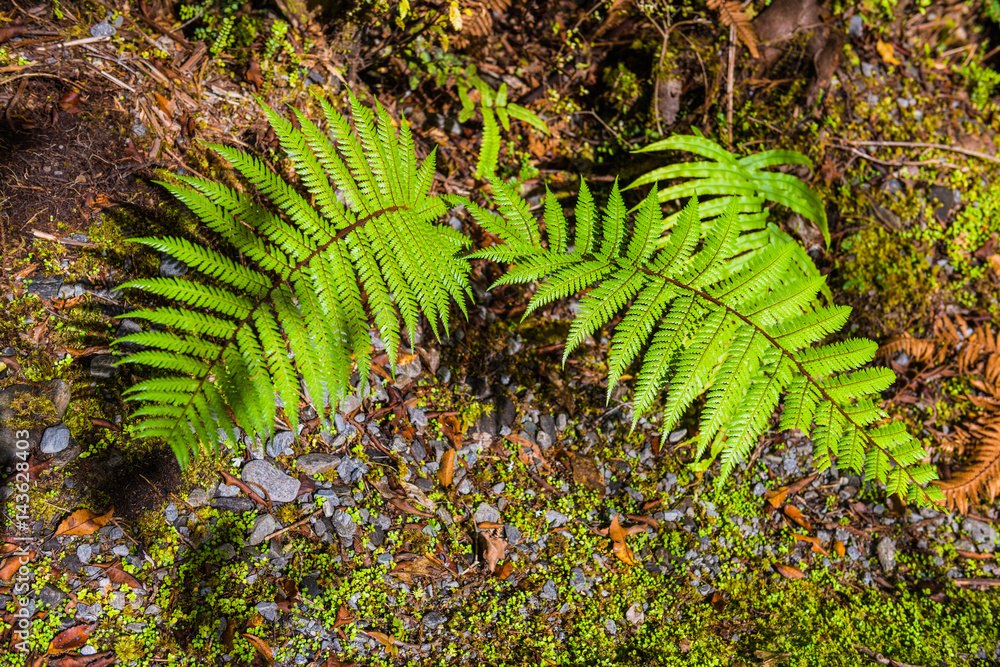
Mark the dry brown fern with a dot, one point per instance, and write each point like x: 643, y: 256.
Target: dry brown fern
x: 477, y: 20
x: 976, y: 354
x: 731, y: 14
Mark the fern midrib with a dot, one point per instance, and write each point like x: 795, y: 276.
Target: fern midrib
x: 788, y: 354
x: 278, y: 282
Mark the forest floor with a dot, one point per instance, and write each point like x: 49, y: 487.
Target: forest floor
x: 565, y: 536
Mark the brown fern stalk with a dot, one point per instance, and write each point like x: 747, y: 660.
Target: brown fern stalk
x: 731, y: 14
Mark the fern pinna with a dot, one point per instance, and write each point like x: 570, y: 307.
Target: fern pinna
x: 361, y: 247
x: 746, y: 335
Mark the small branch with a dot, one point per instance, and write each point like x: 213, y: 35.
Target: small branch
x: 920, y: 144
x: 294, y: 525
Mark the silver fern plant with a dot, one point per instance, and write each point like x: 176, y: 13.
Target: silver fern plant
x: 361, y: 249
x: 743, y: 333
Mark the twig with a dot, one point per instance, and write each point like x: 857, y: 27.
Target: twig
x: 74, y: 42
x: 112, y: 79
x: 52, y: 237
x: 294, y: 525
x: 920, y: 144
x: 976, y: 581
x: 897, y: 163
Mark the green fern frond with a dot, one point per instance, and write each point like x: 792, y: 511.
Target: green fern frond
x: 746, y: 331
x: 724, y: 175
x: 363, y: 250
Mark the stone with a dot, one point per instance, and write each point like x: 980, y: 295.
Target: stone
x: 51, y: 595
x: 433, y: 620
x: 317, y: 463
x: 417, y: 417
x: 46, y: 287
x: 677, y: 436
x: 556, y: 518
x: 84, y: 552
x: 263, y: 526
x: 982, y: 533
x: 281, y: 488
x: 269, y: 610
x: 886, y: 552
x: 344, y: 524
x: 512, y: 533
x: 465, y: 488
x: 197, y: 497
x: 60, y: 396
x: 55, y: 439
x: 102, y: 29
x: 549, y: 591
x: 171, y: 512
x: 578, y: 580
x: 856, y: 28
x: 486, y: 514
x: 102, y: 366
x: 171, y: 268
x: 280, y: 444
x: 351, y: 470
x: 120, y: 550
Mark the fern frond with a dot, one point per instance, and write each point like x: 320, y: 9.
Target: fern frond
x: 363, y: 249
x: 744, y: 330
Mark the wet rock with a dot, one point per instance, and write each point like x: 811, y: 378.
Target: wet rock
x: 269, y: 610
x: 433, y: 620
x: 555, y: 518
x: 886, y: 552
x: 84, y: 553
x: 947, y: 199
x: 197, y: 498
x: 281, y: 488
x: 60, y: 396
x: 102, y: 29
x: 343, y: 524
x: 982, y: 533
x: 549, y: 591
x: 351, y: 470
x: 417, y: 417
x: 51, y: 595
x: 317, y: 463
x: 262, y: 527
x: 856, y: 28
x: 102, y: 366
x: 55, y: 439
x: 172, y: 268
x: 46, y: 287
x: 486, y: 514
x: 171, y: 512
x: 578, y: 580
x: 677, y: 436
x: 280, y: 444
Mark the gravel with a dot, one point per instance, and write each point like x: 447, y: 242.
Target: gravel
x: 263, y: 526
x: 317, y: 463
x: 886, y: 552
x: 343, y: 524
x: 55, y: 439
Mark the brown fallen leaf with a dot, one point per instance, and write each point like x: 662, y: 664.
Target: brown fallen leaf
x: 814, y: 541
x: 71, y: 638
x: 838, y: 548
x: 119, y: 576
x: 586, y: 473
x: 887, y: 52
x: 11, y: 31
x: 771, y: 659
x: 973, y: 555
x: 165, y: 105
x: 14, y: 564
x: 83, y: 522
x: 496, y: 548
x: 447, y: 470
x: 789, y: 572
x: 795, y: 514
x: 731, y: 14
x: 385, y: 640
x: 422, y: 566
x: 404, y: 506
x: 529, y: 453
x: 775, y: 497
x: 619, y: 546
x: 262, y: 647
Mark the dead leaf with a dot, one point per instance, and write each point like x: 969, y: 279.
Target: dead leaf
x: 413, y: 492
x: 83, y: 522
x: 717, y: 600
x: 120, y: 576
x: 421, y: 566
x: 447, y: 470
x: 771, y: 659
x: 795, y: 514
x: 529, y: 453
x: 165, y: 105
x: 586, y: 473
x: 887, y: 52
x: 731, y: 15
x: 254, y: 75
x: 838, y: 548
x: 14, y: 564
x: 668, y: 99
x: 789, y: 572
x: 71, y: 638
x: 619, y: 546
x: 814, y: 541
x: 496, y: 548
x: 404, y: 506
x: 684, y: 645
x: 385, y: 640
x: 776, y: 496
x: 11, y: 31
x: 262, y: 647
x: 973, y: 555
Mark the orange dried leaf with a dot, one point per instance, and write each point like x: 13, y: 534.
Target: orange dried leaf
x: 789, y: 572
x: 83, y: 522
x: 776, y: 496
x: 795, y: 514
x: 619, y: 546
x: 447, y: 470
x: 838, y: 548
x: 385, y: 640
x: 887, y: 52
x: 14, y: 564
x: 496, y: 548
x: 262, y: 647
x: 71, y: 638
